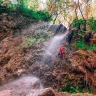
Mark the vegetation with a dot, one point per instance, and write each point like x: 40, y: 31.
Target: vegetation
x: 72, y: 86
x: 91, y: 23
x: 73, y: 89
x: 80, y: 33
x: 24, y: 8
x: 79, y: 44
x: 37, y: 15
x: 37, y: 38
x: 29, y: 41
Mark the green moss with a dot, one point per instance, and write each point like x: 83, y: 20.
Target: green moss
x: 72, y: 89
x: 37, y: 38
x: 29, y: 41
x: 79, y: 88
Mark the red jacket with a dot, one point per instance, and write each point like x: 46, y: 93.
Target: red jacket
x: 61, y: 50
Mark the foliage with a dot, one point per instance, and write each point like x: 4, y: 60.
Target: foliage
x: 6, y: 6
x: 72, y: 89
x: 73, y: 86
x: 6, y: 3
x: 37, y: 38
x: 31, y: 4
x: 92, y: 23
x: 59, y: 9
x: 39, y: 35
x: 79, y: 44
x: 29, y: 41
x: 76, y: 22
x: 40, y: 40
x: 26, y: 10
x: 38, y: 15
x: 4, y: 9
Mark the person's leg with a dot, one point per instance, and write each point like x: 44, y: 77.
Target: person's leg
x: 64, y: 55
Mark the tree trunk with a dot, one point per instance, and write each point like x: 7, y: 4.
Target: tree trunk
x: 55, y: 19
x: 82, y: 17
x: 85, y: 25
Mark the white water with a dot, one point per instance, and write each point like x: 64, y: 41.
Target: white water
x: 24, y: 85
x: 55, y: 43
x: 53, y: 47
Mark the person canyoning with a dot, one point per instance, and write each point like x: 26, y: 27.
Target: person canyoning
x: 61, y: 53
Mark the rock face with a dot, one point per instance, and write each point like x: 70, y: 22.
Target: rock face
x: 6, y: 26
x: 45, y: 92
x: 11, y: 58
x: 84, y: 64
x: 15, y: 57
x: 57, y: 29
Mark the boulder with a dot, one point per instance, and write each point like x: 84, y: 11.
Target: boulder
x: 45, y: 92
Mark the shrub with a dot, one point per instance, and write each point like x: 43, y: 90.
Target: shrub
x: 79, y: 44
x: 92, y: 23
x: 29, y: 41
x: 72, y: 89
x: 38, y: 15
x: 4, y: 9
x: 76, y: 22
x: 41, y: 34
x: 20, y: 8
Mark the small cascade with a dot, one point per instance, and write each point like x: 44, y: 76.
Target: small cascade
x: 52, y: 48
x: 24, y: 86
x: 55, y: 43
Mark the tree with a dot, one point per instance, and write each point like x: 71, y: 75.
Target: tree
x: 6, y: 3
x: 60, y: 10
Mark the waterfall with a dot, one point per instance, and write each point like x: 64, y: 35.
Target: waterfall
x: 27, y: 86
x: 52, y: 48
x: 55, y: 43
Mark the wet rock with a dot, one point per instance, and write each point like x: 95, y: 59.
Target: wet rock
x: 45, y: 92
x: 57, y: 29
x: 70, y: 37
x: 87, y: 38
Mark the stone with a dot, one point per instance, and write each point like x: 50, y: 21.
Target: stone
x: 46, y: 92
x: 57, y: 29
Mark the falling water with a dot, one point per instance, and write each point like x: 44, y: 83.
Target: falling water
x: 55, y: 43
x: 24, y: 85
x: 52, y: 48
